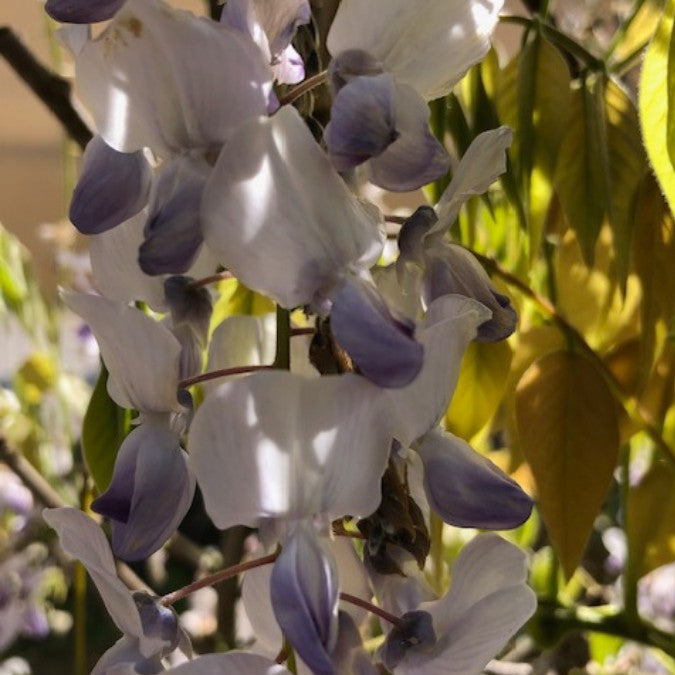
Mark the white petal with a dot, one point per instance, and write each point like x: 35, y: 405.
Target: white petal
x: 255, y: 594
x: 482, y: 163
x: 232, y: 663
x: 146, y: 84
x: 278, y: 216
x: 141, y: 354
x: 486, y: 565
x: 114, y: 263
x: 487, y: 603
x: 428, y: 44
x: 276, y: 445
x: 242, y: 340
x: 82, y: 538
x: 352, y: 573
x: 451, y: 323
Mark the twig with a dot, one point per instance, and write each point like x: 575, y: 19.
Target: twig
x: 51, y: 89
x: 46, y: 494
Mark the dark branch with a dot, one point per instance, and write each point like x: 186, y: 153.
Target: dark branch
x: 51, y: 89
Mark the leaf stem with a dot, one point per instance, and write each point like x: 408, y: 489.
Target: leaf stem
x: 216, y: 577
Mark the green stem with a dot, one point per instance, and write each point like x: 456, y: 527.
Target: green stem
x: 623, y: 29
x: 282, y: 357
x: 437, y: 123
x: 564, y: 42
x: 626, y: 63
x: 436, y: 551
x: 564, y: 619
x: 630, y: 572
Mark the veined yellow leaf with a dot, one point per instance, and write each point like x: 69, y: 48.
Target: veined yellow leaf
x: 568, y: 430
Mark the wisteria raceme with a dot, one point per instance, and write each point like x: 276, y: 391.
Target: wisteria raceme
x: 201, y: 171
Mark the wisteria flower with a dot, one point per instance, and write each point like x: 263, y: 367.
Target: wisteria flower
x: 487, y: 603
x: 151, y: 487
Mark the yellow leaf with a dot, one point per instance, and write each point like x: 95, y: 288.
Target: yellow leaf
x: 651, y: 515
x: 654, y: 101
x: 654, y: 252
x: 482, y: 379
x: 235, y: 298
x: 567, y: 425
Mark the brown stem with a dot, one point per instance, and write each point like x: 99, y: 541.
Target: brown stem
x: 214, y: 374
x: 390, y: 218
x: 51, y: 89
x: 309, y: 84
x: 217, y: 577
x: 302, y: 331
x: 213, y: 279
x: 373, y: 609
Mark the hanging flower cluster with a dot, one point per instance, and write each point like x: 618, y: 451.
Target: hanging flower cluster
x: 198, y: 166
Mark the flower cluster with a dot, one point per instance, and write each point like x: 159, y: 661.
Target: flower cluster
x: 199, y: 165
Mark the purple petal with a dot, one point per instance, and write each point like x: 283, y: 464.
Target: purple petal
x: 159, y: 622
x: 113, y: 187
x: 411, y: 235
x: 453, y: 269
x: 189, y: 305
x: 115, y: 502
x: 173, y: 233
x: 349, y: 64
x: 417, y: 630
x: 466, y: 489
x: 416, y: 157
x: 304, y: 592
x: 382, y: 346
x: 82, y: 11
x: 289, y: 67
x: 148, y: 509
x: 362, y: 121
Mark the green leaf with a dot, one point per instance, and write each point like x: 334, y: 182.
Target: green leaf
x: 656, y: 104
x: 482, y: 379
x: 582, y: 175
x: 537, y: 122
x: 568, y: 429
x: 627, y: 163
x: 104, y: 428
